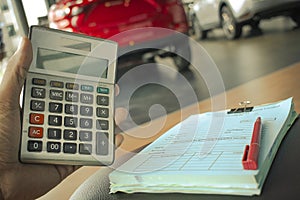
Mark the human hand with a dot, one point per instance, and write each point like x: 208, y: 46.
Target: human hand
x: 18, y: 180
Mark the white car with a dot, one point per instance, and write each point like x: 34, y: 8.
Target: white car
x: 232, y: 15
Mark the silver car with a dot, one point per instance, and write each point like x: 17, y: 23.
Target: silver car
x: 232, y: 15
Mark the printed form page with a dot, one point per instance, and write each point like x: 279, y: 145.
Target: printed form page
x: 210, y: 143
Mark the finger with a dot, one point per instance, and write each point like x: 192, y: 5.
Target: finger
x: 16, y: 71
x: 119, y: 140
x: 65, y: 170
x: 120, y: 115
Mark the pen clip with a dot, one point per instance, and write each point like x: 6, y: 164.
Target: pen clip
x: 251, y: 152
x: 249, y: 161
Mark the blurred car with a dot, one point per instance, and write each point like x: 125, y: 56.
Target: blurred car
x: 108, y: 18
x: 232, y: 15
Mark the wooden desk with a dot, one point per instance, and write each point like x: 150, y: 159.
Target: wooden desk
x: 273, y: 87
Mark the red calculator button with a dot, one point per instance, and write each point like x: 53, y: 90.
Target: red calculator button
x: 36, y: 118
x: 35, y: 132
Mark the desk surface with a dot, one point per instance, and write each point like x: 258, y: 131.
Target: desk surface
x: 283, y: 180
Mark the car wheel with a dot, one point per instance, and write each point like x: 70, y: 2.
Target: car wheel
x: 181, y: 63
x: 231, y: 28
x: 198, y: 30
x: 296, y: 19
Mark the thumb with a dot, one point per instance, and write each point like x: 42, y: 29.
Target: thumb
x: 15, y: 73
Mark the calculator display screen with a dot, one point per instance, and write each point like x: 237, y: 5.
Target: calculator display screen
x: 71, y: 63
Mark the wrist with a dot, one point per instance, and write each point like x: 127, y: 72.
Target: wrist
x: 6, y: 181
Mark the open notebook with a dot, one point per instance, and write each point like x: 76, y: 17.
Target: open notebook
x: 203, y: 154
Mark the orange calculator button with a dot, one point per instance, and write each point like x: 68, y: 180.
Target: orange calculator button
x: 35, y: 132
x: 36, y: 118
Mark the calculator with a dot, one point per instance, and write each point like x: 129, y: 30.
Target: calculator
x: 68, y: 99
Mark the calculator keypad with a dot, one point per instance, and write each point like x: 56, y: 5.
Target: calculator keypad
x: 63, y: 118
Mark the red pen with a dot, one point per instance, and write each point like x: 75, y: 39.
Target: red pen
x: 250, y: 157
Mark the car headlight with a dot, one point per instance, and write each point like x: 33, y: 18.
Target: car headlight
x: 196, y: 7
x: 76, y: 10
x: 60, y: 13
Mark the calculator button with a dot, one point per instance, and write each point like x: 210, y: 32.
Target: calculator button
x: 71, y: 122
x: 38, y: 93
x: 54, y: 133
x: 56, y: 95
x: 36, y: 118
x: 38, y: 81
x: 72, y: 96
x: 70, y: 148
x: 54, y: 120
x: 102, y: 125
x: 70, y: 134
x: 34, y: 146
x: 55, y: 107
x: 86, y: 110
x: 86, y: 98
x: 85, y: 149
x: 102, y: 100
x: 72, y: 86
x: 85, y: 135
x: 57, y: 84
x: 87, y: 88
x: 102, y: 90
x: 101, y: 143
x: 102, y: 112
x: 35, y: 132
x: 53, y: 147
x: 86, y: 123
x: 71, y: 109
x: 37, y: 105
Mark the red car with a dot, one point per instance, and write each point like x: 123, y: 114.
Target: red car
x: 108, y: 18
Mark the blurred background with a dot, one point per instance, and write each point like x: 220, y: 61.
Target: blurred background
x: 245, y: 40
